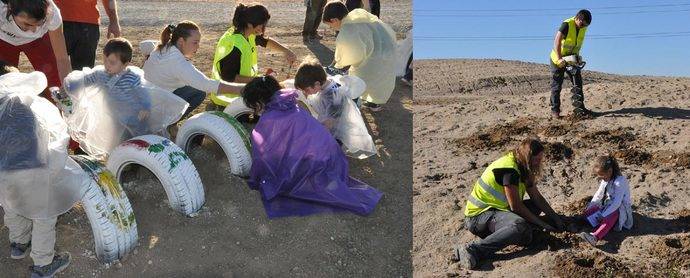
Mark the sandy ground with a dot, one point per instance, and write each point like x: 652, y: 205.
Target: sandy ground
x: 468, y: 112
x: 232, y: 236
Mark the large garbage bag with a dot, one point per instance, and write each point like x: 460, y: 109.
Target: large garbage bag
x: 37, y: 179
x: 298, y: 166
x: 336, y: 102
x: 108, y: 110
x: 402, y: 54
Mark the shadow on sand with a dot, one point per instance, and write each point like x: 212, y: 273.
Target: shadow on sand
x: 661, y: 113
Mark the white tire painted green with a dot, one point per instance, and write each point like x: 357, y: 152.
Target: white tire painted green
x: 168, y: 163
x: 226, y: 131
x: 109, y: 212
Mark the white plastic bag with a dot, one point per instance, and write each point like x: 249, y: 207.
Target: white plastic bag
x: 108, y: 110
x: 402, y: 54
x: 37, y: 179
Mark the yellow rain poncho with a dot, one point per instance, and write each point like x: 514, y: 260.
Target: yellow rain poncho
x: 368, y: 46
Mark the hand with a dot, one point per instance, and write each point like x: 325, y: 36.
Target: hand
x: 561, y: 63
x: 290, y: 57
x: 114, y: 29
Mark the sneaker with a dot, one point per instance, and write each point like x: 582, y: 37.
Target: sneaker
x: 60, y: 262
x: 406, y: 82
x: 18, y: 251
x: 372, y: 106
x: 555, y: 115
x: 589, y: 238
x: 463, y: 256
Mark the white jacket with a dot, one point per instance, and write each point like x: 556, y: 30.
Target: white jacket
x: 617, y: 198
x: 170, y: 70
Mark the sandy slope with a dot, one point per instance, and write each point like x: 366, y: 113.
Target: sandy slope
x: 468, y: 112
x: 232, y: 237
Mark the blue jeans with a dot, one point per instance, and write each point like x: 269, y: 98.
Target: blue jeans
x: 192, y: 96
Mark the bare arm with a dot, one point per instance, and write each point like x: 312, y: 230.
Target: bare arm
x: 57, y: 40
x: 557, y: 44
x: 110, y: 7
x: 539, y: 200
x: 242, y: 79
x: 520, y: 209
x: 230, y: 88
x: 276, y: 46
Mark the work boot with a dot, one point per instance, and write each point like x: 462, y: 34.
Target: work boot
x: 463, y: 256
x: 60, y: 262
x: 18, y: 251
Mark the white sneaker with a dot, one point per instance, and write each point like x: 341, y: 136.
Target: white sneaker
x: 589, y: 238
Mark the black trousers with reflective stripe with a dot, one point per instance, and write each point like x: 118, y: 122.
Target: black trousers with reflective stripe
x: 499, y: 229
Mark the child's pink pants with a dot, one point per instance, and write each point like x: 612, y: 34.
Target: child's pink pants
x: 605, y: 224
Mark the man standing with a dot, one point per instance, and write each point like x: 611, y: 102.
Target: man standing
x: 81, y: 27
x: 568, y: 41
x: 312, y: 20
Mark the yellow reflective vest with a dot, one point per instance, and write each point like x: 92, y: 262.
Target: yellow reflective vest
x: 487, y: 193
x: 572, y: 43
x: 248, y: 61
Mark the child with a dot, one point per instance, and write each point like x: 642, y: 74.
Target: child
x: 113, y: 103
x: 38, y: 181
x: 367, y: 46
x: 611, y: 203
x: 297, y: 165
x: 123, y: 86
x: 333, y: 102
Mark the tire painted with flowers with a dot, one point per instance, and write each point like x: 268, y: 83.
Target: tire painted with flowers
x: 168, y: 163
x: 109, y: 212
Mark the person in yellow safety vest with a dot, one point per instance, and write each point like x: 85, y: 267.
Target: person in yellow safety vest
x: 236, y: 58
x: 568, y: 41
x: 495, y: 210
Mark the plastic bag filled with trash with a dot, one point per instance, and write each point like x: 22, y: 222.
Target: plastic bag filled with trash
x: 37, y: 178
x: 110, y: 109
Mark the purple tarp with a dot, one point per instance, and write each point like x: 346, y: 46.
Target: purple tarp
x: 299, y: 168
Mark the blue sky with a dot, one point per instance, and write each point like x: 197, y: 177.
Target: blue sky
x: 474, y: 25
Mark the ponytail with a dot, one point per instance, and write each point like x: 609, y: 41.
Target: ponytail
x: 172, y: 33
x: 254, y: 14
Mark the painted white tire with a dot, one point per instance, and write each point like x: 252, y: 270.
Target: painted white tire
x: 226, y: 131
x: 168, y: 163
x: 109, y: 212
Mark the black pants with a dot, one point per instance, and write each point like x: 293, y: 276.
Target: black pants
x: 193, y: 96
x: 313, y: 17
x: 499, y: 229
x: 577, y: 96
x: 81, y: 40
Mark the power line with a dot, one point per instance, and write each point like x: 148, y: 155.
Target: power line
x: 538, y: 38
x: 557, y: 9
x: 544, y: 15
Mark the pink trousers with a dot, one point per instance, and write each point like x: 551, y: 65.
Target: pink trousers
x: 605, y: 224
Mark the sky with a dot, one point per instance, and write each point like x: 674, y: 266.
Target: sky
x: 650, y: 39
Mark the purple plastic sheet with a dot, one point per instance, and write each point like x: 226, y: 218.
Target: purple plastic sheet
x: 299, y: 168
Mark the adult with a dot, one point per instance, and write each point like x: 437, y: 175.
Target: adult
x: 170, y: 68
x: 368, y: 47
x: 372, y: 6
x: 568, y: 41
x: 81, y: 28
x: 312, y: 19
x: 495, y: 210
x: 236, y: 58
x: 34, y: 28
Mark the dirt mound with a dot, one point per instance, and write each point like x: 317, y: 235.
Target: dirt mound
x: 673, y: 252
x: 681, y: 160
x: 620, y: 137
x: 496, y: 137
x: 589, y: 265
x: 558, y: 151
x: 633, y: 156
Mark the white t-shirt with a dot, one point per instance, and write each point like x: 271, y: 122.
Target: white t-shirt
x: 10, y: 32
x: 170, y: 70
